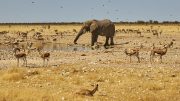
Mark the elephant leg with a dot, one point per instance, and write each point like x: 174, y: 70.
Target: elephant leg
x: 96, y: 38
x: 161, y: 58
x: 43, y: 62
x: 17, y: 62
x: 151, y: 58
x: 112, y: 41
x: 93, y: 39
x: 107, y: 41
x: 25, y: 61
x: 47, y: 61
x: 138, y: 59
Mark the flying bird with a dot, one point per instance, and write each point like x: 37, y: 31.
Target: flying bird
x: 109, y: 1
x: 116, y: 10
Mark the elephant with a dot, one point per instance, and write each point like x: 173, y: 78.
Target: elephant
x: 98, y: 27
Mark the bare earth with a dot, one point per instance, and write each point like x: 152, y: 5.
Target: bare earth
x: 74, y: 67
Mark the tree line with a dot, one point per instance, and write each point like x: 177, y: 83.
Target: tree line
x: 120, y: 22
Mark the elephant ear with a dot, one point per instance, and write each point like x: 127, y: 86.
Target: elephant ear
x: 93, y: 27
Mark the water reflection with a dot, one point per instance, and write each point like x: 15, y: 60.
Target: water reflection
x: 53, y: 47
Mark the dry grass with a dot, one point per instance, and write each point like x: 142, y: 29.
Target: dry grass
x: 17, y: 74
x: 14, y: 74
x: 39, y: 27
x: 115, y: 83
x: 27, y: 94
x: 118, y: 80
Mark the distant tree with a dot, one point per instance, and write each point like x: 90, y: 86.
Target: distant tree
x: 140, y: 22
x: 150, y: 21
x: 165, y: 22
x: 176, y: 22
x: 155, y: 22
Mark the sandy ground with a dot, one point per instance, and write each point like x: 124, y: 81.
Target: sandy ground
x: 72, y: 67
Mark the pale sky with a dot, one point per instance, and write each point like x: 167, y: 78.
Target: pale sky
x: 81, y: 10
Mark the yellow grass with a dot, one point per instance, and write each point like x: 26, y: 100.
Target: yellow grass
x: 14, y: 74
x: 118, y: 79
x: 165, y: 28
x: 24, y: 28
x: 115, y: 83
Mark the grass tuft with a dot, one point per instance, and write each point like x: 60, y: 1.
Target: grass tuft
x: 14, y: 74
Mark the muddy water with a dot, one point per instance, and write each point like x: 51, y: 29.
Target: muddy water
x: 53, y: 47
x: 65, y: 47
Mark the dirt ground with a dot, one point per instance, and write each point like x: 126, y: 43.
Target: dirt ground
x: 74, y: 67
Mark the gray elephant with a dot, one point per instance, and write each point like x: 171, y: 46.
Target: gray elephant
x: 98, y: 27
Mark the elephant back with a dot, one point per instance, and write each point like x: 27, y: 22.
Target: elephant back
x: 107, y: 28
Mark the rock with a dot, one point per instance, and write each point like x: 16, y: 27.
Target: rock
x: 83, y: 54
x: 173, y: 75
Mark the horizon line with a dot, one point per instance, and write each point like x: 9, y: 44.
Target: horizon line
x: 83, y: 21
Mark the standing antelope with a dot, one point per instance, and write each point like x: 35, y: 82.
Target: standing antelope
x: 45, y: 56
x: 155, y: 32
x: 158, y: 51
x: 132, y: 52
x: 20, y: 55
x: 138, y: 32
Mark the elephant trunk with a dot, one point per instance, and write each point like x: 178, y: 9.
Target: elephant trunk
x: 78, y: 35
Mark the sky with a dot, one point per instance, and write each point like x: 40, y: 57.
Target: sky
x: 81, y: 10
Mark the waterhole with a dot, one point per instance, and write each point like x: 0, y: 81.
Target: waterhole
x: 65, y: 47
x: 52, y: 47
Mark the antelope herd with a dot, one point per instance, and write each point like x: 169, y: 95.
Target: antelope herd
x: 139, y: 32
x: 159, y: 51
x: 20, y: 53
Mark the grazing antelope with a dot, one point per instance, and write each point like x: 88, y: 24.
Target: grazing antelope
x: 160, y: 32
x: 155, y: 32
x: 74, y: 30
x: 158, y: 51
x: 4, y: 32
x: 124, y: 31
x: 170, y: 44
x: 38, y: 36
x: 139, y: 32
x: 88, y: 92
x: 132, y: 52
x: 45, y: 56
x: 24, y: 35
